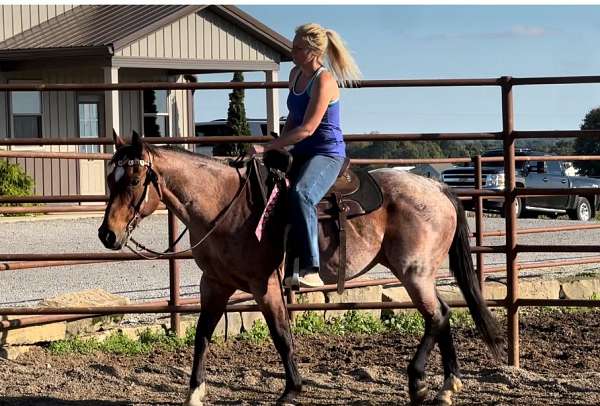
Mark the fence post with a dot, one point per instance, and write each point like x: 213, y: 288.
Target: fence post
x: 479, y: 220
x: 512, y: 275
x: 174, y: 277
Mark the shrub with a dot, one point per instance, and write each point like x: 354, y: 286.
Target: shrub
x: 14, y: 181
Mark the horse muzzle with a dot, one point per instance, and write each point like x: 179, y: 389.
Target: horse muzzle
x: 109, y: 238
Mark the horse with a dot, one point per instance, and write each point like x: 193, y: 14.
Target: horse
x: 418, y: 225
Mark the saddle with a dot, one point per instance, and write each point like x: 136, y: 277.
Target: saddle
x: 353, y: 194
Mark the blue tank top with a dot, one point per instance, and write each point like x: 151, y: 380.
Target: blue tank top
x: 327, y: 138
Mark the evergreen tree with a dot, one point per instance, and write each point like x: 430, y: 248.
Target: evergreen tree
x: 236, y: 120
x: 589, y: 145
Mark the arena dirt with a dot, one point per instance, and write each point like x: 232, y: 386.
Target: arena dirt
x: 560, y: 360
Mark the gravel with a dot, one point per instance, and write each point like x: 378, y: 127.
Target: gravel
x: 149, y: 280
x: 137, y: 280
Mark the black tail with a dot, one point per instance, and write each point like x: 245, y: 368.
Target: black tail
x: 461, y: 265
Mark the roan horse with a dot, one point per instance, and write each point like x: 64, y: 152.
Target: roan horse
x: 419, y: 223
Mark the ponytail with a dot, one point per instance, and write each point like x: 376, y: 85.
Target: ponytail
x: 325, y: 41
x: 341, y: 62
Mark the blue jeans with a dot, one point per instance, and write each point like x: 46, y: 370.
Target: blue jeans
x: 311, y: 179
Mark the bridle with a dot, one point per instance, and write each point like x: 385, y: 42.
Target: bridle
x: 150, y: 178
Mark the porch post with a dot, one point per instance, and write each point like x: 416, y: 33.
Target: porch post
x: 272, y: 103
x: 4, y: 118
x: 111, y: 102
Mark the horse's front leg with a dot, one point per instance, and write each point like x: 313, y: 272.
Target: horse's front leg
x: 271, y: 303
x: 213, y: 300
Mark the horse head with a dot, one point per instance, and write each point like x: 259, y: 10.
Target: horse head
x: 134, y: 190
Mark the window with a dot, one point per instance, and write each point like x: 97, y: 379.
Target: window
x: 89, y: 110
x: 26, y: 112
x: 156, y: 113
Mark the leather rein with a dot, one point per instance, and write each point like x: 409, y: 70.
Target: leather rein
x: 152, y: 178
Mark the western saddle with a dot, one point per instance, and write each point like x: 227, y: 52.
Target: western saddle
x: 353, y: 194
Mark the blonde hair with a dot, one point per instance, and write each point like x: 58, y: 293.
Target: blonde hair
x: 327, y: 42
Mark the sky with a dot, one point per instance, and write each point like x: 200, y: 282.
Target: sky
x: 443, y: 41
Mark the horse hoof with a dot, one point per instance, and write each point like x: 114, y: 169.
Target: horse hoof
x: 195, y: 396
x: 451, y: 386
x: 288, y: 398
x: 418, y: 396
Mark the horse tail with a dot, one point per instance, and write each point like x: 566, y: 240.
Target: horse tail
x: 461, y: 265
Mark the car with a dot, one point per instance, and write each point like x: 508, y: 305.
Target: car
x: 530, y: 174
x: 220, y: 127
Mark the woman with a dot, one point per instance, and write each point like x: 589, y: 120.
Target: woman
x: 313, y: 129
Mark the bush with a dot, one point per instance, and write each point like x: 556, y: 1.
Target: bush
x: 14, y: 181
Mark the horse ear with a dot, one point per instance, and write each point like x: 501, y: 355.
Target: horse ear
x: 136, y: 139
x: 119, y: 143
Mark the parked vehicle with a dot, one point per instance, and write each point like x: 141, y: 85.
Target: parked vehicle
x: 530, y: 174
x: 221, y: 128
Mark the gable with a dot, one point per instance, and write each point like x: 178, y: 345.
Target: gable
x: 203, y: 35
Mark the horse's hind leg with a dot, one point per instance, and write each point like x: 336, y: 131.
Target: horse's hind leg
x: 271, y: 303
x: 452, y: 383
x: 213, y: 300
x: 421, y: 289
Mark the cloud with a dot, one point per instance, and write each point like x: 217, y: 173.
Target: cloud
x: 527, y: 31
x: 516, y: 31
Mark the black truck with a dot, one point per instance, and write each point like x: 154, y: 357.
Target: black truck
x: 530, y: 174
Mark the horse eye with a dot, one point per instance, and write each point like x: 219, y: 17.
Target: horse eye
x: 135, y: 182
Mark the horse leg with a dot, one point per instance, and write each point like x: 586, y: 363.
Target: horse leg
x: 421, y: 289
x: 272, y: 306
x: 452, y: 382
x: 213, y: 300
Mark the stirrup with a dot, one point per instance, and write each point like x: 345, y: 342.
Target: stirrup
x: 310, y: 280
x: 292, y: 282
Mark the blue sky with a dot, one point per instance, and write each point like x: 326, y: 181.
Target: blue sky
x: 427, y: 42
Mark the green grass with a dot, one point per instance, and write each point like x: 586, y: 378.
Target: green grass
x: 120, y: 344
x: 308, y: 323
x: 258, y: 333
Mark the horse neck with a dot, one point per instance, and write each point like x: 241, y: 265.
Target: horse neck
x: 195, y: 188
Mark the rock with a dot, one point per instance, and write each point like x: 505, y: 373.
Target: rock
x: 87, y: 298
x: 368, y: 374
x: 366, y: 294
x: 12, y: 352
x: 33, y: 334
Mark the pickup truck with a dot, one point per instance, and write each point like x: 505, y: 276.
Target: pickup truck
x: 530, y: 174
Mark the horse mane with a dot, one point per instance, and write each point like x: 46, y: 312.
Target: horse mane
x: 156, y: 151
x: 179, y: 149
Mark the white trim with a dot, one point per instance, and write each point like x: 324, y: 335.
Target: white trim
x: 193, y: 64
x: 272, y: 103
x: 111, y: 102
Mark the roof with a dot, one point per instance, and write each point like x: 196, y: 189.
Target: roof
x: 106, y: 28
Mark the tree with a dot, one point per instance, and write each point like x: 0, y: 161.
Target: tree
x: 236, y: 121
x: 589, y: 145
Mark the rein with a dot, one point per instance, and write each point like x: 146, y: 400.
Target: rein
x: 152, y: 177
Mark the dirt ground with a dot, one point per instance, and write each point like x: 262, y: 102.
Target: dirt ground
x: 560, y: 361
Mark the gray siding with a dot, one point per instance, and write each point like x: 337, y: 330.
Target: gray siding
x: 202, y: 36
x: 15, y: 19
